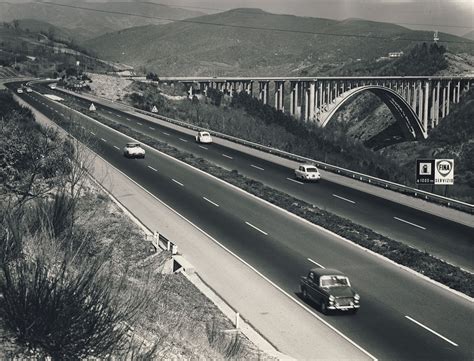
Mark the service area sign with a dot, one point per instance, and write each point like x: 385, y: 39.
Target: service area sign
x: 435, y: 171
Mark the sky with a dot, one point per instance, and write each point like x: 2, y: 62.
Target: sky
x: 452, y: 16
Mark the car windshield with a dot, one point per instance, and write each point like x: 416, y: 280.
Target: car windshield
x: 133, y: 145
x: 311, y: 169
x: 334, y: 281
x: 205, y: 134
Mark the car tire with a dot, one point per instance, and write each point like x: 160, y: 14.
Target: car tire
x: 324, y: 308
x: 304, y: 293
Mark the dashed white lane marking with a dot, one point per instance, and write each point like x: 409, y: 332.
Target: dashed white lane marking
x: 156, y: 170
x: 102, y: 139
x: 227, y: 156
x: 203, y: 147
x: 92, y: 133
x: 139, y: 123
x: 257, y: 167
x: 129, y: 119
x: 118, y: 115
x: 165, y: 133
x: 258, y: 229
x: 294, y: 180
x: 211, y: 201
x: 183, y: 140
x: 411, y: 224
x: 316, y: 263
x: 151, y: 128
x: 108, y: 111
x: 432, y: 331
x: 344, y: 199
x: 174, y: 180
x: 62, y: 114
x: 116, y: 147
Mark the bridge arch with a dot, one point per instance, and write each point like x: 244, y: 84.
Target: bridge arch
x: 399, y: 107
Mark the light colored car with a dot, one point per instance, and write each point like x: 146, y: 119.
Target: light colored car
x: 29, y: 90
x: 19, y: 91
x: 203, y: 137
x: 52, y: 86
x: 133, y: 150
x: 307, y: 172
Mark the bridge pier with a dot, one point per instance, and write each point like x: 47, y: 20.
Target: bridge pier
x: 263, y: 91
x: 280, y: 95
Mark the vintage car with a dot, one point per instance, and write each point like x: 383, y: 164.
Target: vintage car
x: 133, y: 150
x: 330, y: 289
x: 307, y: 172
x: 203, y: 137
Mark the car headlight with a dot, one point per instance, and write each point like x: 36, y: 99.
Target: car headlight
x: 356, y: 297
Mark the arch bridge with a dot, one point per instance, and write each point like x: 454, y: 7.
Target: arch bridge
x: 418, y: 103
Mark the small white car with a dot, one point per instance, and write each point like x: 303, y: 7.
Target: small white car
x: 133, y: 150
x: 203, y: 137
x: 19, y: 91
x: 52, y: 86
x: 307, y: 172
x: 29, y: 90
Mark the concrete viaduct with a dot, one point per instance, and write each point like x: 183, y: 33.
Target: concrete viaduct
x: 417, y: 102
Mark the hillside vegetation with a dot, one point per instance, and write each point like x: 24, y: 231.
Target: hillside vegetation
x: 85, y: 23
x: 254, y: 42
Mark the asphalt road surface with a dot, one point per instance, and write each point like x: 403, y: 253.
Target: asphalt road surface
x: 403, y: 317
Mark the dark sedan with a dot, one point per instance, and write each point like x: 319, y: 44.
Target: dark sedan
x: 330, y: 289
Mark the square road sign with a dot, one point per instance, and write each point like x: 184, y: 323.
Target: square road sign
x: 425, y: 172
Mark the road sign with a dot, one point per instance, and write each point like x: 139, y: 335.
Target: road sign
x: 92, y: 107
x: 435, y: 171
x: 444, y: 171
x: 425, y: 171
x: 155, y: 109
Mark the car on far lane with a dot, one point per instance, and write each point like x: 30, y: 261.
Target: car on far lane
x: 19, y: 91
x: 52, y: 86
x: 307, y: 172
x: 29, y: 90
x: 133, y: 150
x: 330, y: 289
x: 203, y: 137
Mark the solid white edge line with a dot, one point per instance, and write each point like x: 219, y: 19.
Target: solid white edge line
x: 258, y: 229
x: 210, y: 201
x: 203, y: 147
x: 174, y: 180
x: 257, y: 167
x: 297, y: 301
x: 152, y: 168
x: 344, y: 199
x: 183, y: 140
x: 294, y: 180
x: 411, y: 224
x: 116, y: 147
x: 227, y: 156
x: 316, y: 263
x: 432, y: 331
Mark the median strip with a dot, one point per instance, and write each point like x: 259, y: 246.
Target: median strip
x: 258, y: 229
x: 411, y: 224
x: 432, y: 331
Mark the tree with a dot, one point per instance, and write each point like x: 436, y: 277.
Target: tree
x: 16, y: 24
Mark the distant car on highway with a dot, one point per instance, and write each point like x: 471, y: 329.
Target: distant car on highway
x: 133, y: 150
x: 52, y: 86
x: 29, y: 90
x: 330, y: 289
x: 203, y: 137
x: 307, y: 172
x: 19, y: 91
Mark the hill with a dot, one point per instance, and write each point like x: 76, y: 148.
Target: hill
x: 251, y: 41
x: 469, y: 35
x: 102, y: 18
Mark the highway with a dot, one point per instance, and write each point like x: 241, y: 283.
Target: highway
x: 403, y: 317
x: 443, y: 238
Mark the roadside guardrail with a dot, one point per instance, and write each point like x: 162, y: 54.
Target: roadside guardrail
x: 413, y: 192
